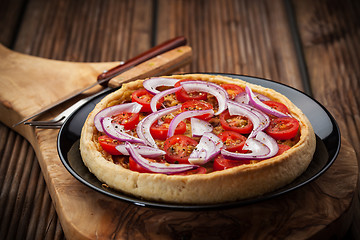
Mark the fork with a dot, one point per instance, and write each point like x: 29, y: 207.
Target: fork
x: 59, y: 120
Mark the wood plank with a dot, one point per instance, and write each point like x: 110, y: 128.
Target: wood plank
x: 330, y: 36
x: 242, y: 37
x: 81, y: 33
x: 20, y: 204
x: 89, y: 31
x: 332, y: 50
x: 10, y: 19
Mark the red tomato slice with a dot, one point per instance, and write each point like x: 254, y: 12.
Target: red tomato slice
x: 178, y: 148
x: 277, y: 106
x: 232, y: 89
x: 128, y: 120
x: 184, y: 96
x: 233, y: 141
x: 199, y: 170
x: 143, y: 97
x: 235, y: 123
x: 160, y: 131
x: 283, y: 128
x: 197, y: 105
x: 282, y: 148
x: 109, y: 144
x: 221, y: 163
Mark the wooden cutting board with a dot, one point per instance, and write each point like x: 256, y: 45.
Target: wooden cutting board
x: 322, y: 208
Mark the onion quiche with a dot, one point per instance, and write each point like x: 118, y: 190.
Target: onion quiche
x: 196, y: 139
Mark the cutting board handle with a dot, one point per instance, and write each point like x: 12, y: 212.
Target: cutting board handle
x: 105, y: 77
x: 29, y: 83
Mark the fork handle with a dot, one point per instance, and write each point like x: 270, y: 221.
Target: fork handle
x: 105, y: 77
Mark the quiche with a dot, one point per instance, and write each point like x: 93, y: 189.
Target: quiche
x: 196, y: 139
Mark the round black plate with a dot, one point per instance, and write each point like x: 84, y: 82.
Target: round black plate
x: 325, y: 127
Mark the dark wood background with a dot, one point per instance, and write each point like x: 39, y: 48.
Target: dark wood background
x: 313, y: 46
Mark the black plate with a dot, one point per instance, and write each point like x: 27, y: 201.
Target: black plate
x: 325, y: 127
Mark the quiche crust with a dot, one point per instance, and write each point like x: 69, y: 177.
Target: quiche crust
x: 241, y: 182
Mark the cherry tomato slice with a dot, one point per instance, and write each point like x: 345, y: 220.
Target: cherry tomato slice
x: 283, y: 128
x: 178, y: 148
x: 277, y: 106
x: 233, y: 141
x: 232, y: 89
x: 134, y: 166
x: 109, y: 144
x: 184, y: 96
x: 235, y: 123
x: 160, y: 131
x: 143, y: 97
x: 282, y: 148
x: 197, y: 105
x: 128, y: 120
x: 199, y: 170
x: 221, y: 163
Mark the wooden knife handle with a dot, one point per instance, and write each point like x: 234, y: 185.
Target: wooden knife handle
x: 105, y: 77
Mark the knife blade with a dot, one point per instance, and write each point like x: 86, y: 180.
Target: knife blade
x: 104, y: 78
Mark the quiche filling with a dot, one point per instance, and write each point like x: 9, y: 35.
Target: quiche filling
x: 193, y: 127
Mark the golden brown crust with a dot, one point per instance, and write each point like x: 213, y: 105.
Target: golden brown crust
x: 233, y: 184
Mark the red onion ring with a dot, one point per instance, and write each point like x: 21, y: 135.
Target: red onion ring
x: 254, y: 101
x: 160, y: 95
x: 165, y: 168
x: 259, y: 119
x: 142, y: 150
x: 262, y: 146
x: 259, y: 151
x: 113, y: 110
x: 115, y: 131
x: 152, y: 83
x: 143, y: 127
x: 269, y: 142
x: 243, y: 97
x: 207, y: 149
x: 209, y: 87
x: 199, y: 127
x: 181, y: 116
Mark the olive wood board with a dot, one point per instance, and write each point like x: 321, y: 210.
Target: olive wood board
x: 320, y: 209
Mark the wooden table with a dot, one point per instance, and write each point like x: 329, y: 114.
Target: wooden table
x: 312, y: 46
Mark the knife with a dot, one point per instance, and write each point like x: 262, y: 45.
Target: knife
x: 104, y: 78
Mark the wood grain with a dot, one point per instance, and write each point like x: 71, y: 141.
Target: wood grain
x: 331, y: 40
x: 242, y: 37
x: 255, y: 34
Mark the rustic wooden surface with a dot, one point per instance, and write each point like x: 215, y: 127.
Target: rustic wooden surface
x: 246, y: 37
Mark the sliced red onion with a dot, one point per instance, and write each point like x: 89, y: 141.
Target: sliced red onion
x: 116, y: 131
x: 143, y: 127
x: 143, y: 150
x: 209, y: 87
x: 160, y: 95
x: 259, y: 119
x: 269, y: 142
x: 187, y: 114
x: 199, y: 127
x: 152, y: 84
x: 114, y: 110
x: 254, y: 101
x: 259, y: 151
x: 243, y: 97
x: 208, y: 148
x: 156, y: 167
x: 262, y: 147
